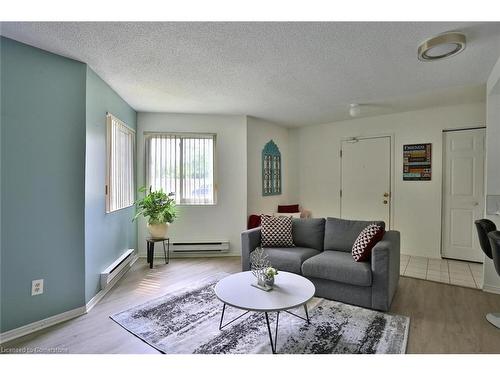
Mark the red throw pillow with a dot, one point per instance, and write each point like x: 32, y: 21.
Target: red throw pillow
x: 253, y: 221
x: 367, y: 239
x: 289, y: 209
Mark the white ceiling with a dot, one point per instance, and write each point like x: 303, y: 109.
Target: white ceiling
x: 289, y: 73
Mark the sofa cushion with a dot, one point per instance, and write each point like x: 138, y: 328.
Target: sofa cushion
x: 338, y: 266
x: 294, y: 215
x: 340, y: 234
x: 291, y: 208
x: 309, y: 233
x: 276, y: 231
x: 289, y: 259
x: 367, y: 239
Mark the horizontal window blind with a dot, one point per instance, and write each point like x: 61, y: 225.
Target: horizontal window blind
x: 182, y: 164
x: 120, y: 166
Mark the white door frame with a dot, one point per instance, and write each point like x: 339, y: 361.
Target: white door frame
x: 443, y: 171
x: 390, y: 225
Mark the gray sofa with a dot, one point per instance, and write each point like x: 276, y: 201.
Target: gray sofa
x: 322, y: 253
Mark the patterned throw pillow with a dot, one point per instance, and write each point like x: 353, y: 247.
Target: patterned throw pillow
x: 365, y: 242
x: 276, y: 231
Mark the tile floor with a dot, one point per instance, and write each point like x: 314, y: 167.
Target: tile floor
x: 443, y: 270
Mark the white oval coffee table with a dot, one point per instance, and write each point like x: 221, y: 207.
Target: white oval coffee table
x: 289, y: 291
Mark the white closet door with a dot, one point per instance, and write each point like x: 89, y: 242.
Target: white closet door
x: 463, y: 193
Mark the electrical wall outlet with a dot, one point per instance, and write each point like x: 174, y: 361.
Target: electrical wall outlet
x: 37, y: 287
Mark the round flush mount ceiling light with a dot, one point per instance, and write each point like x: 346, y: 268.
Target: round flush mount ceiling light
x: 354, y: 110
x: 441, y: 46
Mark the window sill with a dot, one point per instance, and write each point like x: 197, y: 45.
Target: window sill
x: 119, y: 209
x: 196, y: 205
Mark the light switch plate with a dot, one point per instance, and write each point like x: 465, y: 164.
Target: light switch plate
x: 37, y: 287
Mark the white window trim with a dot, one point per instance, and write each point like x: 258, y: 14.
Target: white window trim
x: 148, y: 135
x: 109, y: 121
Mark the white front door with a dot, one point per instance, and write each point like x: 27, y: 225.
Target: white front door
x: 463, y: 193
x: 366, y: 179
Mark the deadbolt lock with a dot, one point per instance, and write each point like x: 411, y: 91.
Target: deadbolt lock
x: 386, y: 195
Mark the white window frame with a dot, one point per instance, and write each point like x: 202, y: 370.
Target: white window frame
x: 128, y: 183
x: 180, y: 202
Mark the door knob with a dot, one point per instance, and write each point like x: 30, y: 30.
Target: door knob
x: 385, y: 201
x: 476, y: 203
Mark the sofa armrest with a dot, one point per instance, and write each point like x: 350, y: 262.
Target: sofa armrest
x: 250, y: 239
x: 385, y: 270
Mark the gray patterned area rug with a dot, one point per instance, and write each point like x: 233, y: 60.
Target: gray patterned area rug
x: 187, y: 321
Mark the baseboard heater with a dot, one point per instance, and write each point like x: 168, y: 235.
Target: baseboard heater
x: 116, y: 267
x: 199, y: 247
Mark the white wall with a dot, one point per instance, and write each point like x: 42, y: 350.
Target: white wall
x: 311, y: 171
x: 294, y: 166
x: 491, y: 278
x: 226, y: 219
x: 259, y: 132
x: 416, y: 204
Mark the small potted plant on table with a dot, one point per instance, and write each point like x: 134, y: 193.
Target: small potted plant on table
x: 160, y: 210
x: 269, y: 274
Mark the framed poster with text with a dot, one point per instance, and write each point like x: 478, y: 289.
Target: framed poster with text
x: 417, y: 162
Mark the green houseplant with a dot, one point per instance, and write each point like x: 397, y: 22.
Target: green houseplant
x: 269, y: 274
x: 159, y: 209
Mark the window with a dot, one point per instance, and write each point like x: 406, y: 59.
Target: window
x: 120, y: 164
x: 182, y: 164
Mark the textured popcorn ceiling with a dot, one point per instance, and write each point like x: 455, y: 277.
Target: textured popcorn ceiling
x: 290, y: 73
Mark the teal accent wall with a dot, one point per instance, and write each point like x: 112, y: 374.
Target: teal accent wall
x: 106, y: 235
x: 43, y: 183
x: 53, y: 168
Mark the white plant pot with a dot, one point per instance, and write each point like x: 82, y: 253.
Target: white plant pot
x: 158, y: 230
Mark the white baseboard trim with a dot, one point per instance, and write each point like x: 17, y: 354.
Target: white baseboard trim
x: 95, y: 300
x: 41, y: 324
x: 195, y: 255
x: 491, y: 288
x: 62, y: 317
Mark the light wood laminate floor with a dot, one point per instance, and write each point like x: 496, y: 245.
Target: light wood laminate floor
x: 444, y: 318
